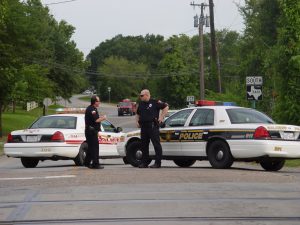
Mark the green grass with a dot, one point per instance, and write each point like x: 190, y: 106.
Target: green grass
x: 292, y: 163
x: 85, y: 98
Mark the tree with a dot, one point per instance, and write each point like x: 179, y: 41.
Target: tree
x: 126, y: 78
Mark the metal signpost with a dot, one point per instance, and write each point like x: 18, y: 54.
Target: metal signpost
x: 109, y: 89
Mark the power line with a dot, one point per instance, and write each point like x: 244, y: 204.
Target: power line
x: 62, y: 2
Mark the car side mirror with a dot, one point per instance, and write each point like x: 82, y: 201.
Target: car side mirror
x: 119, y: 129
x: 162, y: 125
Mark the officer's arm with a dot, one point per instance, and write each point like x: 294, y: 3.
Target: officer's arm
x: 137, y: 116
x: 163, y: 113
x: 101, y: 118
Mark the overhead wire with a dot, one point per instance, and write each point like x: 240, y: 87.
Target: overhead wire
x: 61, y: 2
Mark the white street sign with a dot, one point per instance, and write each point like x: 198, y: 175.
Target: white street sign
x: 190, y: 98
x: 254, y: 80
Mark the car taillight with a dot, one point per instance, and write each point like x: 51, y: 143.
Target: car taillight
x: 10, y: 138
x: 261, y: 132
x: 58, y: 136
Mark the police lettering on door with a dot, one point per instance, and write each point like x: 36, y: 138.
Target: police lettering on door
x: 191, y: 135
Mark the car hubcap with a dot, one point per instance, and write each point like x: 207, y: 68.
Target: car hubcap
x: 219, y: 155
x: 139, y: 154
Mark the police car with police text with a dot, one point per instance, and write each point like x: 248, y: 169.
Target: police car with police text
x: 60, y: 136
x: 221, y: 135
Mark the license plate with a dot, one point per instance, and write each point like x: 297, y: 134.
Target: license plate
x: 288, y: 136
x: 31, y: 138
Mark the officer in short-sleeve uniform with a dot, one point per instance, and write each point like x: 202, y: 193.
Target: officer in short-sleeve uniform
x: 148, y: 118
x: 92, y: 127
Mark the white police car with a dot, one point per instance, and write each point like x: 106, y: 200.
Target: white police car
x: 59, y: 136
x: 222, y: 135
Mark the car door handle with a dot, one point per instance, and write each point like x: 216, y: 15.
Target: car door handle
x: 176, y: 133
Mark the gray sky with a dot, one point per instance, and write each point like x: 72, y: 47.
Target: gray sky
x: 98, y: 20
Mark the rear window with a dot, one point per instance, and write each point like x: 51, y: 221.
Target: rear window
x: 61, y: 122
x: 237, y: 116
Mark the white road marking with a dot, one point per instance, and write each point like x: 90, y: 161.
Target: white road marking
x: 32, y: 178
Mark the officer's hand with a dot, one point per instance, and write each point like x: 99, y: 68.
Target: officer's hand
x: 138, y: 125
x: 160, y: 119
x: 103, y: 117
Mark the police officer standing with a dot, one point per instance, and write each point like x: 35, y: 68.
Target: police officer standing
x: 148, y: 118
x: 92, y: 127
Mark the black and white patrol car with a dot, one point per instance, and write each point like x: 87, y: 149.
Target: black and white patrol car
x: 60, y: 136
x: 222, y: 135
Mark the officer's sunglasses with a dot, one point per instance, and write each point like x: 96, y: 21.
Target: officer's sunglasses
x: 141, y: 95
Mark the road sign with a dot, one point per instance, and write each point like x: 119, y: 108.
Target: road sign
x: 190, y: 98
x: 47, y: 102
x: 254, y: 92
x: 255, y: 80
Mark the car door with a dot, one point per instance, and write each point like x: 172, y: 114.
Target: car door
x: 108, y: 139
x: 193, y: 143
x: 170, y: 134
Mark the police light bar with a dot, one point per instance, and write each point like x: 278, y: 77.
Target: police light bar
x: 70, y: 110
x: 214, y: 103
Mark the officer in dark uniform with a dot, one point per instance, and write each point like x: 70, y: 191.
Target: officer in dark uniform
x: 148, y: 118
x: 92, y: 127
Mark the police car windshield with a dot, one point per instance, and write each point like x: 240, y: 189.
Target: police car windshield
x: 238, y: 116
x: 62, y: 122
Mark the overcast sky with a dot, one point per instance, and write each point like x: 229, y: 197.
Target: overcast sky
x: 98, y: 20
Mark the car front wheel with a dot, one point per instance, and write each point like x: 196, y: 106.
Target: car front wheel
x: 272, y: 165
x: 184, y: 162
x: 219, y: 155
x: 29, y: 162
x: 134, y: 154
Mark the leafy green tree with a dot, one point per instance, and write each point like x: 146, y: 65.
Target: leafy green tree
x: 124, y: 77
x: 180, y: 67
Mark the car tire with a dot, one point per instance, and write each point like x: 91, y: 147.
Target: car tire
x: 184, y: 162
x: 80, y: 158
x: 29, y: 162
x: 125, y: 161
x: 134, y: 154
x: 219, y: 155
x: 272, y: 164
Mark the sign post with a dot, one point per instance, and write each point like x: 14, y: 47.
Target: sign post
x: 254, y: 89
x: 109, y: 89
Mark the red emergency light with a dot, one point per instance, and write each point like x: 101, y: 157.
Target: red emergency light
x: 205, y: 103
x: 213, y: 103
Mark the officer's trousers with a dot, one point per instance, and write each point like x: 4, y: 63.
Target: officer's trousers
x: 147, y: 134
x: 93, y: 148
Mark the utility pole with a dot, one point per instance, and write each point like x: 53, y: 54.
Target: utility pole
x: 214, y: 52
x: 200, y: 25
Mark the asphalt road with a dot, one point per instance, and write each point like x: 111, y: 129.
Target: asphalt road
x: 60, y: 193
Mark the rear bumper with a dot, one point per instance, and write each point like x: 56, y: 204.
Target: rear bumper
x: 47, y: 150
x: 258, y: 148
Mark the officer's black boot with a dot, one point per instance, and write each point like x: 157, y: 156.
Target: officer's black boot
x: 157, y: 164
x: 143, y: 165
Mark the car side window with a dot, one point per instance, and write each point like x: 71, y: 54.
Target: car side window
x: 202, y: 117
x: 178, y: 119
x: 107, y: 126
